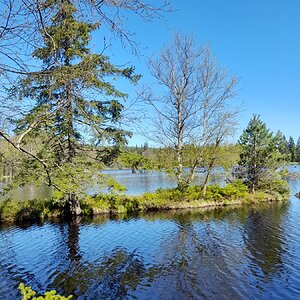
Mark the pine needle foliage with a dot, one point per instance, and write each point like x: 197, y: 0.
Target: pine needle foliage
x: 75, y: 107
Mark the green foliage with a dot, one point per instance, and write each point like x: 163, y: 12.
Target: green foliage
x: 298, y: 151
x: 75, y: 107
x: 26, y: 210
x: 292, y: 149
x: 135, y: 161
x: 29, y: 294
x: 260, y: 155
x: 277, y: 185
x: 232, y: 191
x: 282, y: 146
x: 288, y: 148
x: 162, y: 199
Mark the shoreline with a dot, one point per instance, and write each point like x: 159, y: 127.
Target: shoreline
x: 21, y: 212
x: 186, y: 206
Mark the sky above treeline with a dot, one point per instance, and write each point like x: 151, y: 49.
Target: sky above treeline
x: 256, y: 40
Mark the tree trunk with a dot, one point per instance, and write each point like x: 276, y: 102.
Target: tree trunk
x: 206, y: 181
x: 179, y: 146
x: 73, y: 205
x: 253, y: 188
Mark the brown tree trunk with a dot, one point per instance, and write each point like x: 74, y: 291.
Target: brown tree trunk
x: 73, y: 205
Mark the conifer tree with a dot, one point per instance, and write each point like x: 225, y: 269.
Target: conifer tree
x: 298, y: 151
x: 75, y: 108
x: 287, y: 151
x: 292, y: 149
x: 259, y: 156
x: 282, y: 145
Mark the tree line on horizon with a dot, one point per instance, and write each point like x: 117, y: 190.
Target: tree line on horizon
x: 290, y: 148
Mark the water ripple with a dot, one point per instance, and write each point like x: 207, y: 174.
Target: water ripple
x: 245, y: 253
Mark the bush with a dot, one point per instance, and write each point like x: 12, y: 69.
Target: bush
x: 277, y: 186
x: 26, y: 210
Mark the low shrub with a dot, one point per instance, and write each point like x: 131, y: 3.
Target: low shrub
x: 25, y: 210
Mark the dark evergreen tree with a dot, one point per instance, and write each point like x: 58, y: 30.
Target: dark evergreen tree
x: 75, y: 106
x: 259, y: 156
x: 286, y: 145
x: 292, y: 149
x: 298, y: 151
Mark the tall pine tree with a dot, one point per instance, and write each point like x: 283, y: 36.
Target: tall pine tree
x: 75, y: 107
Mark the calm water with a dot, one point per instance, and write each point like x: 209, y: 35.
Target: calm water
x: 136, y: 183
x: 236, y: 253
x: 141, y: 182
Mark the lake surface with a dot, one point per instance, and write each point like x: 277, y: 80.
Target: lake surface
x: 142, y: 182
x: 233, y: 253
x: 136, y: 183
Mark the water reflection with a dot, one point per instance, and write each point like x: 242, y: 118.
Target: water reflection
x: 263, y: 236
x: 233, y: 253
x: 73, y: 239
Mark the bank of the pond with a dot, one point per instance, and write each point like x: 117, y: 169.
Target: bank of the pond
x: 170, y: 199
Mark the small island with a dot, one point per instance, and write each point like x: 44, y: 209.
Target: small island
x: 257, y: 177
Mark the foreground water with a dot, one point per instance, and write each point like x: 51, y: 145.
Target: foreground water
x: 234, y: 253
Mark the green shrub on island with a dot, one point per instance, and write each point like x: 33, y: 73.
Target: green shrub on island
x: 19, y: 211
x: 192, y: 197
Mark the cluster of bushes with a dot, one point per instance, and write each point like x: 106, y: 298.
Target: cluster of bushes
x: 19, y: 211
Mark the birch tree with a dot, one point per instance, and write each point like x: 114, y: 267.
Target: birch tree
x: 193, y: 109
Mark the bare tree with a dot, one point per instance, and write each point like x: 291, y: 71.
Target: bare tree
x: 192, y: 111
x: 219, y: 117
x: 176, y: 69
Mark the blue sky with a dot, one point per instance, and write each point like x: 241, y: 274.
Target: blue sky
x: 258, y: 41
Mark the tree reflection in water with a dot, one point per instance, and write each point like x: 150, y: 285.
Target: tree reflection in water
x: 192, y: 261
x: 112, y: 277
x: 216, y: 254
x: 263, y: 236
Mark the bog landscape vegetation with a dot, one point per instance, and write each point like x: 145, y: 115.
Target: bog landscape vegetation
x: 66, y: 120
x: 63, y: 117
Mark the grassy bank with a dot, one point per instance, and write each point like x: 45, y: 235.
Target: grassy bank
x: 232, y: 194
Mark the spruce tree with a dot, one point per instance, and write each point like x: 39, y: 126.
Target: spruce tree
x: 298, y: 151
x: 292, y: 149
x: 75, y: 107
x: 259, y: 156
x: 286, y: 147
